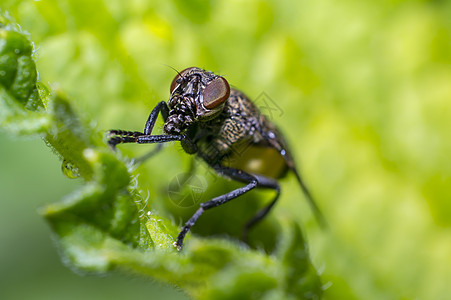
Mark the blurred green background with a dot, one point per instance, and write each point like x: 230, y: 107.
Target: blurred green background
x: 365, y: 89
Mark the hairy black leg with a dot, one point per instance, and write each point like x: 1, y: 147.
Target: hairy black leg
x: 311, y: 201
x: 150, y: 123
x: 252, y: 182
x: 140, y: 138
x: 316, y: 211
x: 122, y: 136
x: 267, y: 183
x: 164, y: 138
x: 125, y: 133
x: 148, y: 128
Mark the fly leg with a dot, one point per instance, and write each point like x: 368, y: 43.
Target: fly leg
x: 146, y: 137
x: 150, y: 124
x: 316, y: 211
x: 122, y: 136
x: 276, y: 141
x: 252, y: 181
x: 269, y: 183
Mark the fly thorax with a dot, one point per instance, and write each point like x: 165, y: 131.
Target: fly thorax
x: 181, y: 115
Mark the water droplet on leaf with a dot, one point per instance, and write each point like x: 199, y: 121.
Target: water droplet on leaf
x: 70, y: 170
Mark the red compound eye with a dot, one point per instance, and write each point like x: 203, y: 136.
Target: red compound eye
x: 178, y: 76
x: 216, y: 93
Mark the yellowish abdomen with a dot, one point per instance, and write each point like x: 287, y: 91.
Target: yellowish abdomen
x: 258, y: 160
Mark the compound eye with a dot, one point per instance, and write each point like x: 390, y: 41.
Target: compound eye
x: 216, y: 93
x: 177, y: 77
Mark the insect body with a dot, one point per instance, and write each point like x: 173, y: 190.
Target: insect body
x: 223, y: 127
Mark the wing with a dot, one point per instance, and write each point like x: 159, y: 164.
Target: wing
x: 274, y: 138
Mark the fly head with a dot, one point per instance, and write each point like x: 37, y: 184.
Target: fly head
x: 196, y: 95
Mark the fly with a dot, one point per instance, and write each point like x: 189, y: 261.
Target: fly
x: 222, y: 126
